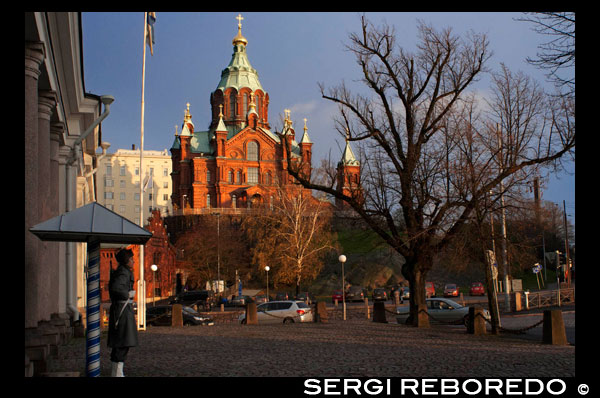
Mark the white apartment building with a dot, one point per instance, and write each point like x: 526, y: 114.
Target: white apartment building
x: 118, y: 181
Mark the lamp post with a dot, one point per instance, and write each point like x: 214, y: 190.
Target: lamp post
x: 218, y: 251
x: 267, y: 268
x: 153, y: 267
x: 342, y: 259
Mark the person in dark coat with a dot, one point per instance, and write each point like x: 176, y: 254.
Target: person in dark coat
x: 122, y: 328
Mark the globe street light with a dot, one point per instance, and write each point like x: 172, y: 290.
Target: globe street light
x: 342, y: 259
x: 267, y: 268
x: 153, y: 267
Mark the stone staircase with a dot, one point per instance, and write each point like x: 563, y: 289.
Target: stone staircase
x: 43, y: 343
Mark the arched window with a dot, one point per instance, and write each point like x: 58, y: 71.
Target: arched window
x: 238, y: 177
x: 252, y: 151
x: 208, y: 200
x: 208, y: 176
x: 245, y: 104
x: 268, y: 178
x: 230, y: 176
x: 232, y: 105
x: 259, y: 106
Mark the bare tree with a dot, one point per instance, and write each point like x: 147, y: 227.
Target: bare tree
x: 291, y: 236
x: 417, y: 195
x: 557, y: 55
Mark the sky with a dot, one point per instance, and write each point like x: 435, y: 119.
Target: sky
x: 292, y: 52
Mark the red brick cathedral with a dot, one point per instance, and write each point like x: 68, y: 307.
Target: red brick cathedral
x: 239, y: 161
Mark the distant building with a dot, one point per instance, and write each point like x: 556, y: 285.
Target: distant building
x: 118, y: 183
x: 158, y: 250
x: 238, y: 161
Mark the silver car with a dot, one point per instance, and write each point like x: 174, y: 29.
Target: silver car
x: 287, y: 311
x: 441, y: 309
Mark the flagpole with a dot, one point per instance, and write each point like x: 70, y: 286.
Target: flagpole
x: 141, y: 285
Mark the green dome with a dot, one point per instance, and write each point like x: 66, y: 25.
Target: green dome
x: 239, y: 73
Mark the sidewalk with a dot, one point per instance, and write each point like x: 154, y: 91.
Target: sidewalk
x: 353, y: 348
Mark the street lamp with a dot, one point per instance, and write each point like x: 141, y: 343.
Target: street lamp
x: 267, y: 268
x: 342, y: 259
x: 218, y: 251
x: 153, y: 267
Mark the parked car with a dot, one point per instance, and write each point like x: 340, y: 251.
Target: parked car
x: 288, y: 311
x: 304, y: 296
x: 429, y: 289
x: 202, y: 298
x: 405, y: 293
x: 161, y: 315
x: 356, y: 293
x: 337, y: 295
x: 279, y: 296
x: 477, y: 289
x: 441, y: 309
x: 393, y: 292
x: 239, y: 301
x: 451, y: 290
x: 260, y: 298
x: 379, y: 294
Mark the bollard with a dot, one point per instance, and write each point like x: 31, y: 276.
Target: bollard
x: 222, y: 307
x: 176, y: 315
x: 554, y: 328
x: 517, y: 301
x: 320, y: 313
x: 367, y: 307
x: 251, y: 316
x: 335, y: 303
x: 476, y: 321
x: 397, y: 297
x: 422, y: 317
x: 379, y: 312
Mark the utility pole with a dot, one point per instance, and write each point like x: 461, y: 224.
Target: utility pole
x: 503, y: 212
x: 567, y: 256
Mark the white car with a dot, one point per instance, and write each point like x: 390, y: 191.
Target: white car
x: 441, y: 309
x: 287, y: 311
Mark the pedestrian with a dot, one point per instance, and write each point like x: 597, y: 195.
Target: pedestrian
x: 122, y: 329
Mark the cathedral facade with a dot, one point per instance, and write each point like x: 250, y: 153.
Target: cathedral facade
x: 239, y: 161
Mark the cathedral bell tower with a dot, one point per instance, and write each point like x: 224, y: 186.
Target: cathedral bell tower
x: 348, y: 175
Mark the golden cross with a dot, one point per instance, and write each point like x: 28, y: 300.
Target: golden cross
x: 239, y: 18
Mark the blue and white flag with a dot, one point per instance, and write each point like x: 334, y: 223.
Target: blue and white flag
x: 150, y: 20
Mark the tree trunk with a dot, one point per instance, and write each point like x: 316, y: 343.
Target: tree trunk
x: 416, y: 279
x: 491, y: 294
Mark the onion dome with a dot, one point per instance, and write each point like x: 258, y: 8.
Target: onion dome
x: 239, y: 73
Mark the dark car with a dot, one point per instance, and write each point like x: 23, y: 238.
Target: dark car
x: 201, y: 298
x: 281, y: 296
x: 240, y: 301
x: 161, y: 315
x: 304, y: 296
x: 356, y: 293
x: 379, y: 294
